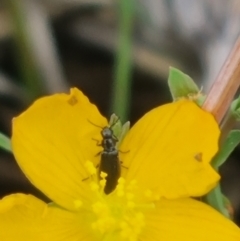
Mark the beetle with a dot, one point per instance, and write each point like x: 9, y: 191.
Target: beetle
x: 109, y: 162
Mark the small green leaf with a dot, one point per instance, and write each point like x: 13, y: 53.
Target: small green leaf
x: 5, y: 143
x: 116, y: 125
x: 124, y: 131
x: 119, y: 130
x: 235, y: 109
x: 181, y: 85
x: 217, y: 200
x: 231, y: 142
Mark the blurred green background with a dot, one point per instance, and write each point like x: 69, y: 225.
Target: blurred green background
x: 117, y: 52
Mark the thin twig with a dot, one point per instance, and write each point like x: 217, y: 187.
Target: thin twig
x: 225, y: 86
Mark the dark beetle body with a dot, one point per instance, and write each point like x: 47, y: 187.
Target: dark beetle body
x: 109, y: 163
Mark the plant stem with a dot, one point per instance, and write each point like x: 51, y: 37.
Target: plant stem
x: 28, y: 67
x: 123, y: 65
x: 225, y: 86
x: 217, y: 102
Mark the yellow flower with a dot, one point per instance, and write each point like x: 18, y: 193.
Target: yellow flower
x: 166, y: 159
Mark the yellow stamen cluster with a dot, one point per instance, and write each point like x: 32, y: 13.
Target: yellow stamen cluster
x: 103, y: 180
x: 119, y: 215
x: 90, y: 168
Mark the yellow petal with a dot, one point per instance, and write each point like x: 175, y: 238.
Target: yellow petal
x: 26, y: 218
x: 188, y: 220
x: 52, y: 141
x: 169, y: 150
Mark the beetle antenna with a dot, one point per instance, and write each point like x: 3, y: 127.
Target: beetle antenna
x: 113, y: 124
x: 95, y: 124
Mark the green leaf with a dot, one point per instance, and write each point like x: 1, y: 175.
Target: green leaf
x: 181, y: 85
x: 116, y: 125
x: 5, y: 143
x: 217, y: 200
x: 231, y: 142
x: 235, y: 109
x: 119, y: 130
x: 124, y: 131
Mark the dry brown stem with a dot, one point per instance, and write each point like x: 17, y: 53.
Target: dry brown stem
x: 225, y: 86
